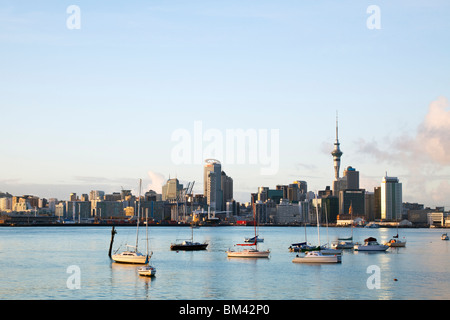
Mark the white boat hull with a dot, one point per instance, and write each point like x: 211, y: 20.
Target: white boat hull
x: 147, y: 271
x: 130, y: 258
x: 317, y: 259
x: 248, y: 254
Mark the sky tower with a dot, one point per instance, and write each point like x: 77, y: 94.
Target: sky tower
x: 336, y: 153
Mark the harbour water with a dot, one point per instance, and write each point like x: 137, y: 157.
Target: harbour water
x: 38, y: 263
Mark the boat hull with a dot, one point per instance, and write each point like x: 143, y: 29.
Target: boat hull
x: 130, y: 259
x: 344, y: 245
x: 147, y: 271
x: 396, y: 244
x: 371, y: 248
x: 189, y: 247
x: 318, y: 259
x: 248, y: 254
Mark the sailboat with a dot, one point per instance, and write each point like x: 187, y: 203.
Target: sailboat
x: 256, y: 238
x: 133, y: 256
x: 252, y: 252
x: 303, y: 246
x: 147, y: 270
x: 189, y: 245
x: 322, y: 255
x: 325, y: 250
x: 346, y: 243
x: 395, y: 242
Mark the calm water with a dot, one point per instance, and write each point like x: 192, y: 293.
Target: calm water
x: 34, y: 263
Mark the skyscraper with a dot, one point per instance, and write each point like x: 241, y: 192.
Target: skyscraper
x: 391, y: 198
x: 212, y: 183
x: 171, y: 190
x: 227, y: 189
x: 352, y: 178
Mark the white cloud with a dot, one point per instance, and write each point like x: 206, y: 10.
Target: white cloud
x: 157, y: 180
x: 434, y: 133
x: 422, y: 157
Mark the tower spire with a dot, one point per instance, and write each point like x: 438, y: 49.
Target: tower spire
x: 337, y: 130
x: 337, y: 153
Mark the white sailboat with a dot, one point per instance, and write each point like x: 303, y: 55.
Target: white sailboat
x: 395, y: 242
x: 252, y: 252
x: 147, y: 270
x: 132, y: 255
x: 317, y: 257
x: 371, y: 244
x: 325, y: 250
x: 346, y: 243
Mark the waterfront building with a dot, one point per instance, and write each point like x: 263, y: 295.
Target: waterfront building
x: 102, y: 209
x: 330, y: 206
x: 60, y: 210
x: 5, y: 204
x: 77, y: 210
x: 289, y: 213
x: 369, y: 204
x: 260, y: 211
x: 354, y: 198
x: 391, y: 198
x: 436, y: 219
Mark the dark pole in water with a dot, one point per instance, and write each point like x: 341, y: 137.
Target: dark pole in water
x: 113, y: 232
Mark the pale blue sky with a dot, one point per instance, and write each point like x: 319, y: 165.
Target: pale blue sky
x: 95, y: 108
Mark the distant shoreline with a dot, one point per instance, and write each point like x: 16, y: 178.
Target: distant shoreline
x: 187, y: 225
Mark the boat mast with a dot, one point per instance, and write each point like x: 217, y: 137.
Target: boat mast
x: 317, y: 215
x: 138, y: 214
x: 255, y: 223
x: 146, y: 228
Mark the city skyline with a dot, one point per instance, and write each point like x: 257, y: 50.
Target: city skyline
x: 96, y: 108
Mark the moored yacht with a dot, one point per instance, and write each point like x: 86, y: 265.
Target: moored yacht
x: 317, y: 257
x: 370, y: 244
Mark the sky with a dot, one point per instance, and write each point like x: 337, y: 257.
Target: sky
x: 99, y: 97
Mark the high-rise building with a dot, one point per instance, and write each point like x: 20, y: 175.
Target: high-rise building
x: 227, y: 188
x: 352, y: 178
x: 211, y: 190
x: 213, y: 187
x: 391, y: 198
x: 96, y: 195
x: 354, y: 198
x: 171, y: 190
x: 376, y: 203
